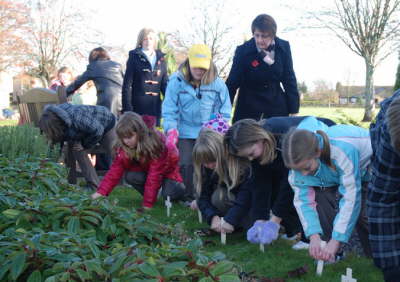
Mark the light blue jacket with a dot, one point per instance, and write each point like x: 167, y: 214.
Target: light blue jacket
x: 187, y: 109
x: 350, y: 154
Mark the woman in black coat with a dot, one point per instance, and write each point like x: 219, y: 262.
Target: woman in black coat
x: 145, y: 77
x: 107, y: 76
x: 259, y: 68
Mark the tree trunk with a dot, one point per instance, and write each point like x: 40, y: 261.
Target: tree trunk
x: 369, y: 92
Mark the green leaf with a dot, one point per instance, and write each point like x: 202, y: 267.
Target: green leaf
x: 174, y: 269
x: 95, y: 250
x: 117, y: 265
x: 229, y: 278
x: 11, y: 213
x: 149, y: 269
x: 91, y: 219
x: 206, y: 279
x: 50, y: 183
x: 83, y: 275
x: 35, y: 276
x: 73, y: 225
x: 221, y: 268
x: 51, y: 279
x: 3, y: 270
x: 17, y: 264
x: 95, y: 267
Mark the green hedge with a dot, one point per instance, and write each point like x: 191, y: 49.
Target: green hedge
x: 17, y: 141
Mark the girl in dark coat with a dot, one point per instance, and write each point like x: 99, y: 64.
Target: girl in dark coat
x: 221, y: 195
x: 259, y: 68
x: 145, y: 77
x: 259, y: 142
x: 107, y: 76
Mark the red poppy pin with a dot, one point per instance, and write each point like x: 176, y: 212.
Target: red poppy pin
x: 255, y: 63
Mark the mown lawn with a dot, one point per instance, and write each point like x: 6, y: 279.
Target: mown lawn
x: 345, y: 114
x: 277, y: 260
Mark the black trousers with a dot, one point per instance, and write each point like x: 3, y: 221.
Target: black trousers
x: 327, y: 207
x: 173, y: 189
x: 185, y: 147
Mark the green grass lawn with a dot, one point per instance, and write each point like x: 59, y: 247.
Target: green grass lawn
x: 355, y: 114
x: 8, y: 122
x: 277, y: 260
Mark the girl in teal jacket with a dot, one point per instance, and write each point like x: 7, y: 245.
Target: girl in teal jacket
x: 195, y: 94
x: 325, y: 161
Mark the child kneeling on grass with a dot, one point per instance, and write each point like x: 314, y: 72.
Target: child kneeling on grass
x: 323, y: 162
x: 147, y: 160
x: 221, y: 195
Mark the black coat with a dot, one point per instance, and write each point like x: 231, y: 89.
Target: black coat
x: 260, y: 92
x: 270, y: 187
x: 107, y: 76
x: 140, y: 81
x: 239, y: 209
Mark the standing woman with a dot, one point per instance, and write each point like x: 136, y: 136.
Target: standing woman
x: 145, y: 77
x: 107, y: 77
x: 195, y: 95
x: 259, y: 67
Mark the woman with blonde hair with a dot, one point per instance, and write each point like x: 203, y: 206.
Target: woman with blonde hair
x: 146, y: 159
x: 220, y: 194
x: 145, y: 77
x: 195, y: 95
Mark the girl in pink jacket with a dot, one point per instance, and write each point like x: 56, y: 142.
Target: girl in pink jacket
x: 146, y: 159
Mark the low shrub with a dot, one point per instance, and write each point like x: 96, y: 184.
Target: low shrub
x: 50, y: 231
x: 17, y: 141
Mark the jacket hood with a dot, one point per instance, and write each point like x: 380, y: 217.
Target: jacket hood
x: 61, y: 113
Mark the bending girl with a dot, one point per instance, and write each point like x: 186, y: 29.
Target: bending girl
x: 332, y: 160
x: 146, y: 159
x: 221, y: 195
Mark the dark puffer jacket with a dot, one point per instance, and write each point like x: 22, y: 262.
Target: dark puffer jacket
x: 107, y: 76
x: 142, y: 85
x: 260, y: 92
x: 85, y: 124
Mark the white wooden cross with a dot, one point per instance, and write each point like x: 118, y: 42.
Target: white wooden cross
x: 261, y: 245
x: 223, y: 234
x: 200, y: 216
x: 320, y: 263
x: 168, y: 204
x: 348, y: 276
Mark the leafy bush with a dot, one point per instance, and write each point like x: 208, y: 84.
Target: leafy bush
x: 50, y: 231
x: 16, y: 141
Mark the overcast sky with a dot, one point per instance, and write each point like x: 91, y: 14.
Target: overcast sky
x: 316, y: 54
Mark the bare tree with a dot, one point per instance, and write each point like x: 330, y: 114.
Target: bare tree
x: 13, y: 24
x: 211, y: 24
x: 369, y: 28
x: 58, y: 34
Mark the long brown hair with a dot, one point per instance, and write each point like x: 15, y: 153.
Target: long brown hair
x: 142, y: 34
x: 52, y: 126
x: 209, y: 76
x: 247, y: 132
x: 149, y: 142
x: 300, y: 144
